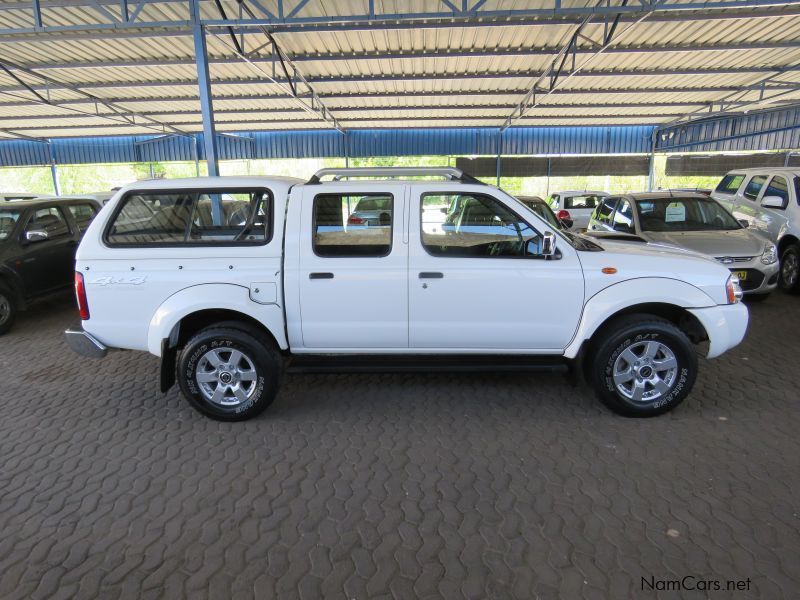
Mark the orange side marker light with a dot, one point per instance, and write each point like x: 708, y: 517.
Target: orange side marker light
x: 609, y: 270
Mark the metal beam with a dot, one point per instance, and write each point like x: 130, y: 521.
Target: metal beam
x: 555, y: 76
x: 627, y: 92
x: 444, y: 53
x: 732, y: 102
x: 115, y: 112
x: 97, y: 18
x: 379, y: 109
x: 496, y: 119
x: 281, y: 79
x: 206, y: 102
x: 292, y: 81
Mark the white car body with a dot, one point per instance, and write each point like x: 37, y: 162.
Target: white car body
x: 579, y: 203
x: 750, y: 194
x: 139, y: 296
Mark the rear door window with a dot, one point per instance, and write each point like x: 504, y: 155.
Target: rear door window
x: 82, y: 214
x: 352, y: 225
x: 754, y: 186
x: 192, y: 217
x: 730, y: 184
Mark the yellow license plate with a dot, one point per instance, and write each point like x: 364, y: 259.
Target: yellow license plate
x: 742, y: 275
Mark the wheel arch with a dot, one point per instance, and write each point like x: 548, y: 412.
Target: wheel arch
x: 786, y: 241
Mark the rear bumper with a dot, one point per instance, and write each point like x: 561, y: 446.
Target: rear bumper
x: 725, y: 325
x: 84, y: 344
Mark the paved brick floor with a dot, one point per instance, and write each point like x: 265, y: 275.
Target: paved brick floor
x: 434, y: 486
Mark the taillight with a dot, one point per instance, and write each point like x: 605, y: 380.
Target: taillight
x: 355, y: 220
x: 80, y: 294
x: 563, y: 215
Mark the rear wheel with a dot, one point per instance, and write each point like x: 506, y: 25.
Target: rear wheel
x: 643, y: 366
x: 8, y: 309
x: 789, y: 279
x: 229, y: 374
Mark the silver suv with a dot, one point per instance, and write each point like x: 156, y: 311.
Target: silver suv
x: 768, y: 200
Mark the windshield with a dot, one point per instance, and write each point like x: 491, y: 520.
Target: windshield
x: 8, y: 218
x: 684, y: 214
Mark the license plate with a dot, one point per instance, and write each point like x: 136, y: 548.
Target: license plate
x: 742, y: 275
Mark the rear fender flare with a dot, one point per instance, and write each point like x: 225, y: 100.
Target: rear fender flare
x: 210, y: 297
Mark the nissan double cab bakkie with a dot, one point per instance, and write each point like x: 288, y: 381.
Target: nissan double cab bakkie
x: 232, y: 281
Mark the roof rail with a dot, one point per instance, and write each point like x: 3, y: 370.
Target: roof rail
x: 450, y: 173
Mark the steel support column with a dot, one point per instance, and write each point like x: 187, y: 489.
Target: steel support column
x: 204, y: 84
x: 651, y: 176
x: 53, y: 167
x: 499, y: 165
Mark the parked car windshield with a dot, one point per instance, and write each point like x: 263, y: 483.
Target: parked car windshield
x: 684, y: 214
x: 8, y: 218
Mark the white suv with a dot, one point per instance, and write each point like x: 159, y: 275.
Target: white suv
x: 768, y: 200
x: 233, y: 280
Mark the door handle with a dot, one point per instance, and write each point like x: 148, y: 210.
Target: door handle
x: 320, y: 275
x: 431, y: 275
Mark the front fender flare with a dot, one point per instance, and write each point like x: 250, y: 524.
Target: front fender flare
x: 212, y: 296
x: 620, y: 296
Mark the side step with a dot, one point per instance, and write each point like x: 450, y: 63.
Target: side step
x: 423, y: 363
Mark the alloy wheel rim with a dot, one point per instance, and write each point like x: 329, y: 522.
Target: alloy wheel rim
x: 789, y: 270
x: 226, y: 377
x: 645, y: 371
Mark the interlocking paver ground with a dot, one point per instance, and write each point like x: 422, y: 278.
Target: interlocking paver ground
x: 395, y: 486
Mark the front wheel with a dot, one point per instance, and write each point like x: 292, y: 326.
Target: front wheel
x: 643, y: 366
x: 8, y: 310
x: 229, y: 374
x: 789, y: 278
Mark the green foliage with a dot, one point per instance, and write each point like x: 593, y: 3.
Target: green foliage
x: 77, y: 179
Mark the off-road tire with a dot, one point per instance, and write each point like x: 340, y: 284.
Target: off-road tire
x: 633, y: 332
x: 259, y: 352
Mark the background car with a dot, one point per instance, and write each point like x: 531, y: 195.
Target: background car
x: 562, y: 220
x: 38, y: 240
x: 371, y: 211
x: 768, y: 200
x: 580, y: 204
x: 698, y: 223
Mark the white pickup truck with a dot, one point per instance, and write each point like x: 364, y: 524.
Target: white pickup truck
x: 234, y: 280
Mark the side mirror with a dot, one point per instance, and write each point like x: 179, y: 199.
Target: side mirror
x: 772, y: 202
x: 744, y: 223
x: 36, y: 235
x: 548, y: 244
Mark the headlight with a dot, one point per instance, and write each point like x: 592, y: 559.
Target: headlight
x: 770, y: 254
x: 733, y: 290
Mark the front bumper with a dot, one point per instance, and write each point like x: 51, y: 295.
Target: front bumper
x: 762, y: 279
x: 725, y: 324
x: 84, y: 344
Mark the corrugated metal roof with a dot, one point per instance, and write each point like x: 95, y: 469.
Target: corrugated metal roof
x: 385, y: 77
